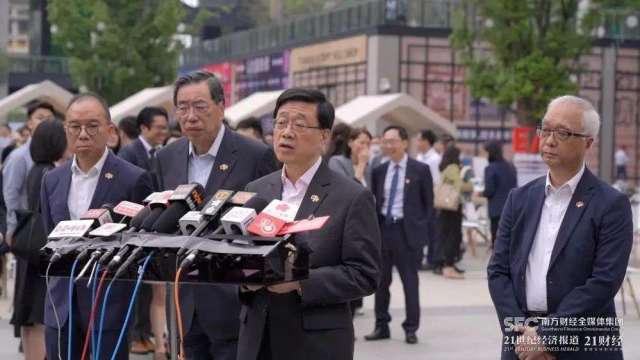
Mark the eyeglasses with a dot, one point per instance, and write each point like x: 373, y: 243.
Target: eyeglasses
x: 298, y: 126
x: 76, y: 129
x: 199, y: 108
x: 560, y: 134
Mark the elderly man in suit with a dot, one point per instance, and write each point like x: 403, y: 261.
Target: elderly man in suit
x: 404, y: 196
x: 217, y: 158
x: 311, y: 319
x: 562, y: 248
x: 92, y: 178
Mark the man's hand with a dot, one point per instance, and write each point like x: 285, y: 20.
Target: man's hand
x: 285, y: 287
x: 530, y: 346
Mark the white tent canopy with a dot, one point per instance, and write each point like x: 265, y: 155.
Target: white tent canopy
x: 375, y: 112
x: 44, y: 91
x: 131, y: 106
x: 256, y: 105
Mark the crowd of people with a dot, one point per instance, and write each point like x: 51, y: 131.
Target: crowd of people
x: 402, y: 200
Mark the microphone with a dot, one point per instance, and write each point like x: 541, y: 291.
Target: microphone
x: 128, y: 210
x: 157, y: 205
x: 99, y: 216
x: 134, y: 256
x: 237, y: 220
x: 273, y: 218
x: 211, y: 210
x: 190, y: 221
x: 185, y: 198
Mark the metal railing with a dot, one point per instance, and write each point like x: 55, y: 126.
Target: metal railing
x: 336, y: 22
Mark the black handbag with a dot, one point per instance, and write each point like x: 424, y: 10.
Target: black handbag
x: 30, y: 235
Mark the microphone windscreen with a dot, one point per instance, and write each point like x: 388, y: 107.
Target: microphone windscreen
x: 108, y: 206
x: 256, y: 203
x: 147, y: 224
x: 168, y: 222
x: 136, y: 221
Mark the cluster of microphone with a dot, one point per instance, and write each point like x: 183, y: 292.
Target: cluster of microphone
x: 229, y: 226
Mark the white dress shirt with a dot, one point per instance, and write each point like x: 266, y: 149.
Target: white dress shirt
x: 555, y: 207
x: 432, y: 159
x: 148, y: 146
x: 83, y: 186
x: 200, y: 165
x: 293, y: 194
x: 397, y: 208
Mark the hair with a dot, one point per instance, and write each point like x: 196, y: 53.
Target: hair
x: 339, y: 142
x: 129, y: 126
x: 404, y: 135
x: 590, y: 116
x: 451, y: 156
x: 24, y: 128
x: 146, y: 115
x: 325, y: 110
x: 429, y: 136
x: 48, y: 143
x: 39, y: 105
x: 494, y: 149
x: 251, y: 123
x: 91, y: 95
x: 353, y: 135
x: 215, y: 87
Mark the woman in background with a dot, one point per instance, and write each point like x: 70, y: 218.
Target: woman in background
x: 353, y: 162
x: 48, y: 145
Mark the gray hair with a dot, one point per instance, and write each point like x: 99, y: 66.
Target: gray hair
x: 590, y: 116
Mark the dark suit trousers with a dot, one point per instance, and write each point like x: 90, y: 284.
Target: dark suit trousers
x: 396, y: 252
x: 107, y: 343
x: 198, y: 345
x: 141, y: 329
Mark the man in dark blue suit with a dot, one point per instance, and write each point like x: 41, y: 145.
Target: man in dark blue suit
x: 217, y: 158
x: 153, y: 123
x: 404, y: 199
x: 92, y: 178
x: 562, y: 248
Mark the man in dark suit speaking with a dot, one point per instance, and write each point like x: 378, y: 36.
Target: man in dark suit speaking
x: 562, y: 249
x: 217, y: 158
x: 92, y: 178
x: 311, y: 319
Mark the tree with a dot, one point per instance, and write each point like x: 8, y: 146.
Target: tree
x: 118, y: 47
x: 522, y: 53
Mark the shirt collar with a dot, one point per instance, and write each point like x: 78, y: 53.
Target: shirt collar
x: 402, y: 163
x: 96, y: 169
x: 306, y: 177
x: 572, y: 183
x: 213, y: 150
x: 145, y: 143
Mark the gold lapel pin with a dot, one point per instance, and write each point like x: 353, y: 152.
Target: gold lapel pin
x: 108, y: 176
x: 224, y: 167
x: 315, y: 198
x: 407, y: 181
x: 579, y: 204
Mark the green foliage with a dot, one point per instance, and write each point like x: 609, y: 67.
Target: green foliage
x: 522, y: 53
x: 118, y: 47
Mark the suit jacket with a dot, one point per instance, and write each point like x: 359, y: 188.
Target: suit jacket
x: 588, y: 261
x: 344, y: 265
x: 344, y: 166
x: 127, y: 183
x: 247, y: 160
x: 418, y: 199
x: 137, y: 154
x: 499, y: 179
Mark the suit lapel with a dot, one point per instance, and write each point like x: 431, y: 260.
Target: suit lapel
x: 105, y: 181
x: 66, y: 185
x: 532, y: 211
x: 142, y: 152
x: 181, y: 162
x: 578, y: 204
x: 409, y: 176
x: 225, y: 160
x: 316, y: 193
x: 381, y: 176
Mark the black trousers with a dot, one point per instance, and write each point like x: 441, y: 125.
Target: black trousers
x: 434, y: 242
x: 198, y: 345
x: 396, y: 252
x: 141, y: 329
x: 451, y: 232
x: 495, y: 221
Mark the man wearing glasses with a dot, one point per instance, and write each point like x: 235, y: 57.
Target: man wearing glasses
x: 311, y: 319
x: 562, y: 248
x: 217, y: 158
x: 94, y: 177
